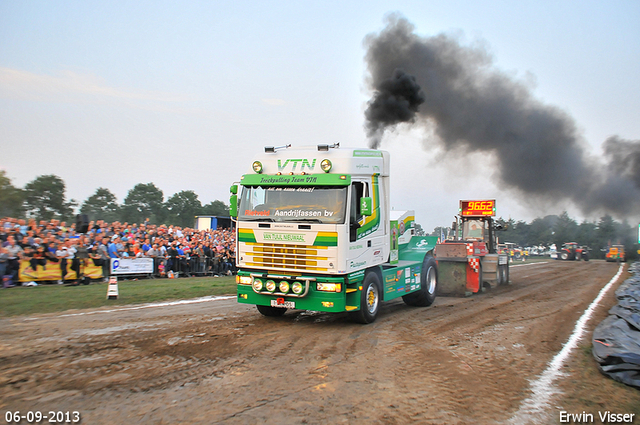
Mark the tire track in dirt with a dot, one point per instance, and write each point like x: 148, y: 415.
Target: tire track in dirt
x: 463, y: 360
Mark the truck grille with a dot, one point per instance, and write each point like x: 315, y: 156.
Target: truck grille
x: 285, y: 256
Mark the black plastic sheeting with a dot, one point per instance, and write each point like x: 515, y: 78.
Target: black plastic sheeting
x: 616, y: 340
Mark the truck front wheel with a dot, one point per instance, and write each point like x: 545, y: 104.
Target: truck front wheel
x: 369, y: 299
x: 266, y: 310
x: 426, y: 295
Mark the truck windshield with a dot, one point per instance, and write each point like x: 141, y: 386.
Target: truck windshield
x: 279, y: 204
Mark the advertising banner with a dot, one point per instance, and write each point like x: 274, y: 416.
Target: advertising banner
x: 131, y: 266
x: 51, y: 271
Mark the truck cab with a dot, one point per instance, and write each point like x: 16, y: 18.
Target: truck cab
x: 315, y: 231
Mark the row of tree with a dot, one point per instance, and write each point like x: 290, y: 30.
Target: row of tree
x: 44, y: 198
x: 558, y: 229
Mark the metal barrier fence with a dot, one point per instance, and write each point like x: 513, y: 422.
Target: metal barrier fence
x: 194, y: 266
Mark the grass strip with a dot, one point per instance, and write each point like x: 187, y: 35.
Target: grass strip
x: 20, y: 301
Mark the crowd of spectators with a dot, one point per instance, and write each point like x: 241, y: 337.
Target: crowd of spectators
x: 176, y: 251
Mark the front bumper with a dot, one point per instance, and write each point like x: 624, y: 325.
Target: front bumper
x: 311, y: 299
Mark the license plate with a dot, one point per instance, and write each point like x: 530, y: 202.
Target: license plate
x: 283, y: 304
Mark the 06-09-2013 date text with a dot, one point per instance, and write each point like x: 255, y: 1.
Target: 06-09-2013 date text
x: 51, y: 417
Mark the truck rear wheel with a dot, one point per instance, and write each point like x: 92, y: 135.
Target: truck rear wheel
x: 564, y: 255
x: 426, y: 295
x: 266, y: 310
x: 369, y: 300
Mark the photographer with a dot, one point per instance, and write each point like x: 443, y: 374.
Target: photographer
x: 76, y: 250
x: 100, y: 256
x: 155, y: 253
x: 15, y: 252
x: 218, y: 260
x: 62, y: 254
x: 172, y: 262
x: 197, y: 259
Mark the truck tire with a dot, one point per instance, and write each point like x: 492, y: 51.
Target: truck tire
x: 499, y: 275
x: 585, y: 257
x: 426, y: 295
x: 267, y: 310
x: 564, y: 255
x: 505, y: 275
x: 578, y: 256
x: 369, y: 299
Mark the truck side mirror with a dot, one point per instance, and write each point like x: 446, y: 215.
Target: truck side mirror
x: 233, y: 201
x: 366, y: 208
x: 233, y: 205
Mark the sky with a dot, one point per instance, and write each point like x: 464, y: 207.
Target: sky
x: 184, y: 94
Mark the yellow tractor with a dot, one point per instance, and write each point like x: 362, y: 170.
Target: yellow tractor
x: 616, y: 253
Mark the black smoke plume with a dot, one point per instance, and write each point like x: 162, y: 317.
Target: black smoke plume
x: 453, y: 90
x: 397, y: 100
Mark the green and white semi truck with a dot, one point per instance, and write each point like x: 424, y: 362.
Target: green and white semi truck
x: 315, y: 231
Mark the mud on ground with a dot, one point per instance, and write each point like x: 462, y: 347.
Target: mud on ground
x: 461, y: 361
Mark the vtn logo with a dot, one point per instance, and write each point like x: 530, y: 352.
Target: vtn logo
x: 294, y: 164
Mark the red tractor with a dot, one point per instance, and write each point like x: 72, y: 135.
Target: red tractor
x: 571, y: 251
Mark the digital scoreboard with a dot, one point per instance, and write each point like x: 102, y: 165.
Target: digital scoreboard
x: 478, y: 208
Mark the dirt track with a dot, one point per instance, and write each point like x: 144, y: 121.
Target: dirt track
x: 463, y: 360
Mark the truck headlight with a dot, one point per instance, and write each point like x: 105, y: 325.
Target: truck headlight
x: 297, y: 288
x: 257, y: 285
x: 243, y: 280
x: 284, y: 286
x: 257, y: 166
x: 325, y: 165
x: 270, y: 285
